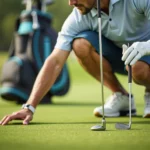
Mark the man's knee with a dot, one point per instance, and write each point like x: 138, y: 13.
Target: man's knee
x: 140, y: 70
x: 82, y: 47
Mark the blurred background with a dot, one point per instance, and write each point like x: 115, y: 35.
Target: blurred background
x: 10, y: 10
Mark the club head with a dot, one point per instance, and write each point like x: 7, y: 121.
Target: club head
x: 122, y: 126
x: 98, y: 128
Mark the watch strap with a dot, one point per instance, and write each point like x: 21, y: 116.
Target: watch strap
x: 28, y: 106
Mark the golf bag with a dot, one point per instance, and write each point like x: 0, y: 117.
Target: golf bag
x: 32, y: 43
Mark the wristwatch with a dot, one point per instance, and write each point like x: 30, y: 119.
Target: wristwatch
x: 28, y: 106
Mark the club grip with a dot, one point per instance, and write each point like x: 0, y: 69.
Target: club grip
x: 129, y: 74
x: 99, y: 8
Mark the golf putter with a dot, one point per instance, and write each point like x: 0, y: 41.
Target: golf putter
x: 123, y: 126
x: 101, y: 127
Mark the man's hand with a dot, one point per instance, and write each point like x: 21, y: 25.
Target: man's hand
x: 24, y: 114
x: 132, y: 54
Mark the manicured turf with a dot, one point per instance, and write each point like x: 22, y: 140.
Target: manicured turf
x: 65, y: 125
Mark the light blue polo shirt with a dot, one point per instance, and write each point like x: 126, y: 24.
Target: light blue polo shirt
x: 128, y: 21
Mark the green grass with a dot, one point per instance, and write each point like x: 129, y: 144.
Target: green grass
x: 65, y: 125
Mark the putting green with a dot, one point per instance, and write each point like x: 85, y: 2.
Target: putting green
x: 66, y: 123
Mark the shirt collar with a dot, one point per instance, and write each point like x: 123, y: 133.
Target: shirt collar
x: 94, y: 12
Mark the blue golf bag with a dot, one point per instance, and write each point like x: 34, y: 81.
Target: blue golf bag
x: 32, y: 43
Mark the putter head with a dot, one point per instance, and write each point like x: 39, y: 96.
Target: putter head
x: 99, y: 127
x: 122, y: 126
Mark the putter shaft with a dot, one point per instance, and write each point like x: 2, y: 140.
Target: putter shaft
x: 103, y: 126
x: 123, y: 126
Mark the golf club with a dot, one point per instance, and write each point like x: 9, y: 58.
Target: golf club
x: 123, y: 126
x: 101, y: 127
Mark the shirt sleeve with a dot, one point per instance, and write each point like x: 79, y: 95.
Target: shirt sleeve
x: 143, y: 7
x: 73, y: 25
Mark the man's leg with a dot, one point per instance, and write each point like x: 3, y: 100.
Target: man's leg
x: 141, y: 76
x: 87, y: 53
x: 90, y: 61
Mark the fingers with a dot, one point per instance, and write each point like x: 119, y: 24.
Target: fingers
x: 131, y: 56
x: 124, y: 47
x: 27, y: 120
x: 138, y: 56
x: 133, y: 53
x: 3, y: 119
x: 9, y: 118
x: 23, y: 114
x: 127, y: 53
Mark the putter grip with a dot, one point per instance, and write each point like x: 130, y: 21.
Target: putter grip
x: 99, y: 8
x: 129, y: 74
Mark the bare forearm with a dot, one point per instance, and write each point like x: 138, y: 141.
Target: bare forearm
x: 46, y: 78
x: 43, y: 83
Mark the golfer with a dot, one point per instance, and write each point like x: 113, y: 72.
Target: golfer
x: 123, y: 22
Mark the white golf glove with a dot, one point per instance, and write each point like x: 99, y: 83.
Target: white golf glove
x: 132, y: 54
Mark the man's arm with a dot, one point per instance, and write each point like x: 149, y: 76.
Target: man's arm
x: 47, y: 76
x: 44, y: 81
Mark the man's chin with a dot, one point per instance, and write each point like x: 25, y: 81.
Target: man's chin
x: 83, y: 12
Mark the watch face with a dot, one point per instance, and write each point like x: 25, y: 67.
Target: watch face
x: 25, y: 106
x: 28, y: 106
